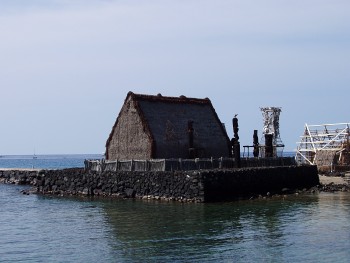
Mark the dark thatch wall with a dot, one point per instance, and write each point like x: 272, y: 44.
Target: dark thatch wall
x: 129, y: 139
x: 168, y: 123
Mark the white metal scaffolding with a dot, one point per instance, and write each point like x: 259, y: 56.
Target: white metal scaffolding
x: 324, y: 145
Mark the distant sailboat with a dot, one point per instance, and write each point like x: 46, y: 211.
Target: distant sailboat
x: 34, y: 158
x: 34, y: 155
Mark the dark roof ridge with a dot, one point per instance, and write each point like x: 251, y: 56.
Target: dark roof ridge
x: 168, y: 99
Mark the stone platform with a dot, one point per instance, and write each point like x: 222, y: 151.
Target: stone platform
x: 184, y: 186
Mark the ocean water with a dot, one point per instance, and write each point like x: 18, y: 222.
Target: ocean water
x: 311, y: 228
x: 303, y: 228
x: 53, y: 161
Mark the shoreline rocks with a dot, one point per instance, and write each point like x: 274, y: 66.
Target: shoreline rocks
x: 182, y: 186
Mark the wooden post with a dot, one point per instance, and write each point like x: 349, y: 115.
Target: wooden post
x: 191, y: 150
x: 255, y: 144
x: 235, y: 143
x: 268, y: 145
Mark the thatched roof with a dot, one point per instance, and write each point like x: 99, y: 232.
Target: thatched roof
x: 168, y: 116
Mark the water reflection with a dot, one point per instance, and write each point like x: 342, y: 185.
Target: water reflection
x: 239, y: 231
x: 313, y: 228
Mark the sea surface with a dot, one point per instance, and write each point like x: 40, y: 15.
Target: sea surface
x: 52, y: 161
x: 297, y: 228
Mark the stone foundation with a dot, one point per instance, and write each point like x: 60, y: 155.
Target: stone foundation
x: 184, y: 186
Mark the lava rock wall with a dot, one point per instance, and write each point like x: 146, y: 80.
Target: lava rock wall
x: 184, y: 186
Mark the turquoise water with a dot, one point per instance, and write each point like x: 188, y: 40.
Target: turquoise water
x: 311, y: 228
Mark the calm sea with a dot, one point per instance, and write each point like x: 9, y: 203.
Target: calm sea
x: 304, y: 228
x: 53, y: 161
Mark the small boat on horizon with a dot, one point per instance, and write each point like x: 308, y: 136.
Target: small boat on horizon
x: 34, y: 155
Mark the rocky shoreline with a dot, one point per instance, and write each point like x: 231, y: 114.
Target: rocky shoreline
x: 42, y: 183
x: 330, y: 188
x: 328, y: 184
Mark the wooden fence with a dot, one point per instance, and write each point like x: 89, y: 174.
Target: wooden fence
x: 183, y: 164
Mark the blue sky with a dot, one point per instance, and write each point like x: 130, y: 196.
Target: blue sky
x: 66, y: 66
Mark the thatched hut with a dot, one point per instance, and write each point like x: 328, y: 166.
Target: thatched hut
x: 150, y: 127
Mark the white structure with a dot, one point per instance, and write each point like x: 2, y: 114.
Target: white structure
x: 324, y: 145
x: 271, y: 118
